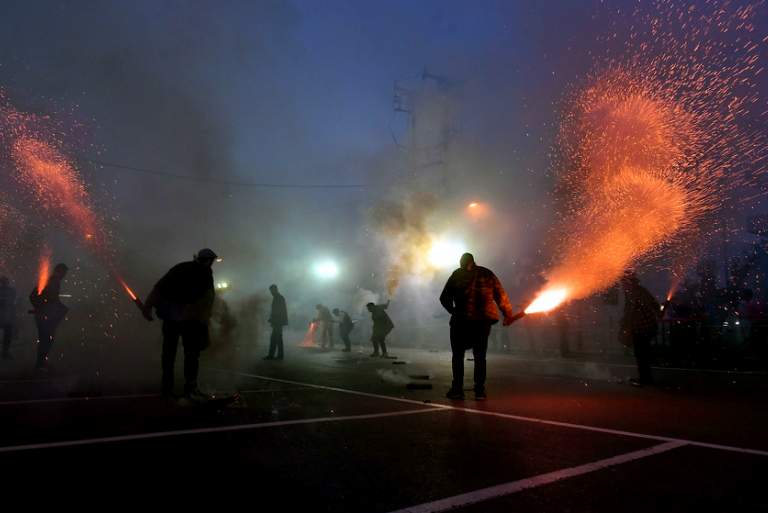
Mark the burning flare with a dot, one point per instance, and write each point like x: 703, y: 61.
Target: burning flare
x: 44, y: 270
x: 547, y: 300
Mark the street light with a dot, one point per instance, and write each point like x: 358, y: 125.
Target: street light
x: 444, y: 254
x: 326, y: 269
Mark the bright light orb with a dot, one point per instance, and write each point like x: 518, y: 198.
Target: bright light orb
x: 326, y: 270
x: 445, y: 254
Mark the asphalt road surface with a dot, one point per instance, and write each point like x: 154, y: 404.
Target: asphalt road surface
x: 333, y: 431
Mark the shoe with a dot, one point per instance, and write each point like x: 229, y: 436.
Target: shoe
x: 636, y: 383
x: 455, y: 395
x: 384, y: 355
x: 374, y: 355
x: 480, y: 394
x: 196, y: 396
x: 268, y: 358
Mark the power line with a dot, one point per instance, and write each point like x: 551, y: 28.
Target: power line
x: 235, y: 183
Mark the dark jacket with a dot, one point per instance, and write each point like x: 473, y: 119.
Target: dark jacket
x: 278, y: 316
x: 8, y: 305
x: 641, y: 312
x: 185, y: 293
x: 345, y: 325
x: 382, y: 324
x: 474, y: 296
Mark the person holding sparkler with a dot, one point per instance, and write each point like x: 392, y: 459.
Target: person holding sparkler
x: 183, y: 299
x: 49, y: 311
x: 640, y: 324
x: 473, y: 296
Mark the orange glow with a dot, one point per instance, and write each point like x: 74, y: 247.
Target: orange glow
x: 128, y: 290
x: 44, y: 270
x: 477, y: 210
x: 652, y: 143
x: 547, y: 300
x: 309, y: 337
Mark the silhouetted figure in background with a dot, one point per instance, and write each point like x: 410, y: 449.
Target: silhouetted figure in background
x: 278, y: 319
x: 640, y: 324
x: 345, y: 328
x: 183, y: 299
x: 49, y: 311
x: 382, y: 326
x: 471, y: 296
x: 7, y: 315
x: 325, y: 321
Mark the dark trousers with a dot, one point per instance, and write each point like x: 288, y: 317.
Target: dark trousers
x: 378, y: 342
x: 344, y: 334
x: 469, y: 335
x: 642, y: 347
x: 7, y: 336
x: 46, y: 332
x: 276, y: 342
x: 194, y: 337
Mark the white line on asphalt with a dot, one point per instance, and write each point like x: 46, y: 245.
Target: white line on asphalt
x: 521, y: 418
x: 219, y: 429
x: 492, y: 492
x: 71, y: 399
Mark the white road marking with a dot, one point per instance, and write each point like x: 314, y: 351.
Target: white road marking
x: 492, y: 492
x: 521, y: 418
x: 218, y: 429
x: 74, y: 399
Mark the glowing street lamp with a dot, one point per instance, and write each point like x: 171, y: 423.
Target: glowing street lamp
x: 326, y: 269
x: 444, y: 254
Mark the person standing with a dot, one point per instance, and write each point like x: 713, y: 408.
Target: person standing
x: 325, y: 324
x: 382, y: 326
x: 473, y: 296
x: 49, y: 311
x: 183, y: 299
x: 7, y: 314
x: 640, y: 324
x: 278, y: 319
x: 345, y: 328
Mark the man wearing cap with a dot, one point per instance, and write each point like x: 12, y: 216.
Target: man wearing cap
x: 183, y: 299
x: 49, y: 311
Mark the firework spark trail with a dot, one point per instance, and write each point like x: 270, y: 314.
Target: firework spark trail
x: 655, y: 143
x: 44, y: 170
x: 44, y: 269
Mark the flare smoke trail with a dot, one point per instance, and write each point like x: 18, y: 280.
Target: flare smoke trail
x: 654, y: 143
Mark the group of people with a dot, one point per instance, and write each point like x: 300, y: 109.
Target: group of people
x: 184, y: 297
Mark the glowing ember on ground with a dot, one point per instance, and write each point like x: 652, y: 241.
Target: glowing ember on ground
x: 547, y: 300
x: 309, y: 337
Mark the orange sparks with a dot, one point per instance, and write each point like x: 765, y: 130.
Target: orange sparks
x: 650, y: 148
x: 309, y: 337
x: 547, y: 300
x: 44, y: 270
